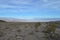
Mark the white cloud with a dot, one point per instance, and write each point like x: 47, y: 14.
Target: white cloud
x: 34, y: 6
x: 20, y: 1
x: 6, y: 6
x: 45, y: 0
x: 52, y: 5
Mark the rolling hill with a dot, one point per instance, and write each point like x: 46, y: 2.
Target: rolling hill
x: 30, y: 20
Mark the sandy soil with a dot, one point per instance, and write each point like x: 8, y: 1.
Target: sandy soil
x: 22, y: 31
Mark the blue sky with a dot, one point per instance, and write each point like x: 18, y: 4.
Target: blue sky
x: 30, y: 8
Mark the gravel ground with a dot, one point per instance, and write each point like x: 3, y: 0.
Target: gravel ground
x: 21, y: 31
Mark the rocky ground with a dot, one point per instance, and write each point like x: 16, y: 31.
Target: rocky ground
x: 22, y: 31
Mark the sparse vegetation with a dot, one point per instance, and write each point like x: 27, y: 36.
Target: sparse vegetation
x: 31, y: 33
x: 36, y: 26
x: 50, y: 31
x: 1, y: 34
x: 27, y: 30
x: 18, y: 30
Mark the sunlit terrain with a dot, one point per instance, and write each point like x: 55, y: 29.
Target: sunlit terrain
x: 29, y: 30
x: 29, y: 19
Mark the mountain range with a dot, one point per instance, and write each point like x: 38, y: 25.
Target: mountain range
x: 29, y: 20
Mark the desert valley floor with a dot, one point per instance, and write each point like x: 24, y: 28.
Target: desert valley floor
x: 23, y: 30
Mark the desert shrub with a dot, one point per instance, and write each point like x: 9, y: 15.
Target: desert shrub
x: 18, y: 29
x: 6, y: 27
x: 50, y: 31
x: 36, y: 26
x: 26, y: 26
x: 1, y: 34
x: 56, y: 36
x: 50, y: 28
x: 31, y: 33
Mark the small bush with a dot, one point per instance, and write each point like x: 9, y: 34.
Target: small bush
x: 31, y: 33
x: 37, y: 26
x: 1, y: 34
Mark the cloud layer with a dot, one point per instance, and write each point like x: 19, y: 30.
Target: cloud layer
x: 29, y: 5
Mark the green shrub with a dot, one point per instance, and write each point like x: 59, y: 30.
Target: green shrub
x: 36, y: 26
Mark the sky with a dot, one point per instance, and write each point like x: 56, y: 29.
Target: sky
x: 27, y: 9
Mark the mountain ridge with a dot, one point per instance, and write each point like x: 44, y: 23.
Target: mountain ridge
x: 30, y: 20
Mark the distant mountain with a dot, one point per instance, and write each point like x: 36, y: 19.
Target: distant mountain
x: 45, y: 19
x: 30, y: 20
x: 12, y: 19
